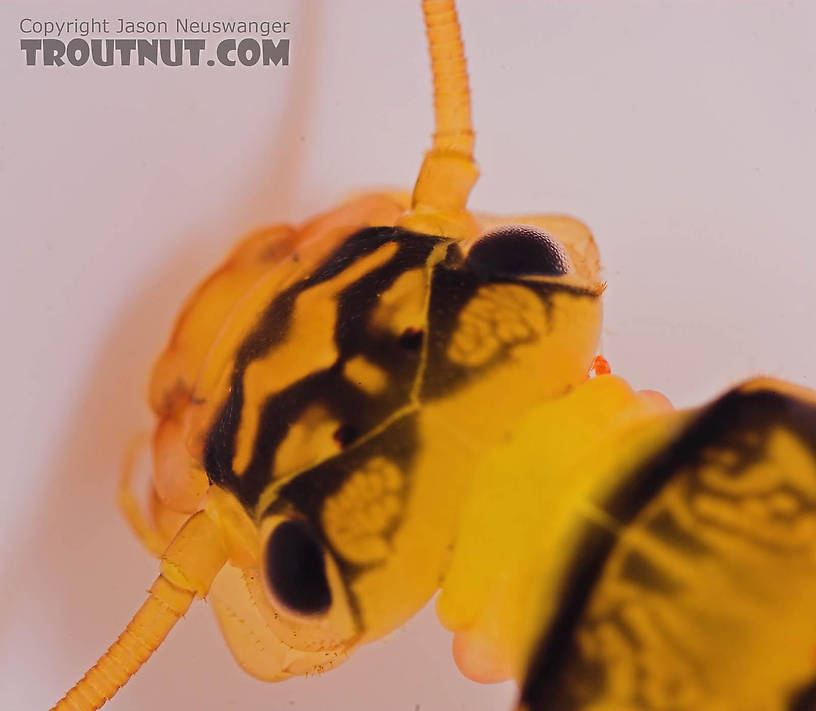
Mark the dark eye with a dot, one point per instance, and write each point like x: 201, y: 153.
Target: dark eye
x: 518, y: 250
x: 296, y: 569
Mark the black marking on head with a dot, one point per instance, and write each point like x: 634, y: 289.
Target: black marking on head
x: 308, y: 492
x: 544, y: 685
x: 411, y: 339
x: 517, y: 250
x: 296, y: 569
x: 345, y: 435
x: 804, y: 699
x: 453, y: 287
x: 354, y: 335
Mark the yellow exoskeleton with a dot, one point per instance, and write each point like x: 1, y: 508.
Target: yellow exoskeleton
x: 396, y: 397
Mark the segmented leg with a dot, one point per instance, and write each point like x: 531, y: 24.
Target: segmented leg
x: 146, y: 531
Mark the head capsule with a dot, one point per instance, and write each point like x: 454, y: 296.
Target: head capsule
x: 357, y: 471
x: 350, y: 392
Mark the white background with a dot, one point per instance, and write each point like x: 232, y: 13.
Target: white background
x: 682, y: 132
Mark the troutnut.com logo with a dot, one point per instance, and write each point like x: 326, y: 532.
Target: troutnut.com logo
x: 77, y: 43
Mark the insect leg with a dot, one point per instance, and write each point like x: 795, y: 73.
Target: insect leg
x: 144, y: 530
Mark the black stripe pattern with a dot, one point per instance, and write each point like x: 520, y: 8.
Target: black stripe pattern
x: 714, y: 489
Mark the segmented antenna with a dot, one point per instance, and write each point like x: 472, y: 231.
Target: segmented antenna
x: 448, y: 171
x: 165, y: 605
x: 188, y: 567
x: 454, y: 131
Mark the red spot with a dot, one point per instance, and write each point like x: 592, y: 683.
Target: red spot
x: 600, y: 366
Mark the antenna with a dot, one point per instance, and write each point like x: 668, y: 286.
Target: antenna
x: 188, y: 567
x: 454, y: 131
x: 448, y: 171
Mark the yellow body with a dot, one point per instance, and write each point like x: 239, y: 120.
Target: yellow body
x: 616, y: 555
x: 395, y: 397
x: 503, y: 333
x: 504, y: 565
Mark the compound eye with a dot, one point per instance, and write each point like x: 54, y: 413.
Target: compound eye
x: 295, y: 568
x: 518, y: 250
